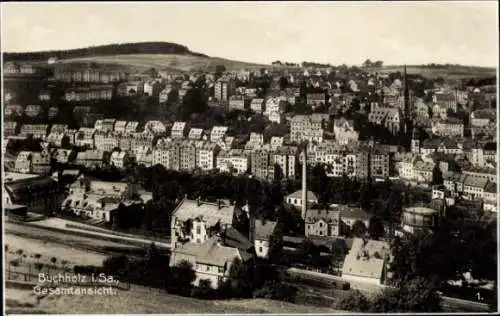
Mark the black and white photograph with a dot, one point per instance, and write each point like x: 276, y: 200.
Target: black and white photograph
x: 253, y: 157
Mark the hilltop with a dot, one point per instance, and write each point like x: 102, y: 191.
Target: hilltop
x: 104, y: 50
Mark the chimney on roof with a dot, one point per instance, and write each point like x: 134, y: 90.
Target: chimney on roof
x: 219, y: 204
x: 198, y: 201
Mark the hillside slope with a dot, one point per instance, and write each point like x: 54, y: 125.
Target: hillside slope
x: 140, y: 62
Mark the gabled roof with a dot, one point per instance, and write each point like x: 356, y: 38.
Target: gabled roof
x: 210, y: 252
x: 328, y: 216
x: 353, y: 213
x: 366, y: 258
x: 298, y: 195
x: 208, y: 212
x: 263, y: 230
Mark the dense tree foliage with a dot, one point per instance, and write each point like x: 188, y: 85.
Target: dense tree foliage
x: 105, y: 50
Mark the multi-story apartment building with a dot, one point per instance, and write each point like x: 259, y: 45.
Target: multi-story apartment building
x: 119, y: 159
x: 90, y: 93
x: 316, y: 99
x: 105, y: 141
x: 105, y: 125
x: 195, y: 133
x: 33, y: 110
x: 380, y: 164
x: 40, y: 163
x: 257, y: 106
x: 38, y: 131
x: 344, y: 131
x: 223, y: 89
x: 120, y: 126
x: 308, y: 127
x: 237, y: 102
x: 206, y: 155
x: 89, y: 75
x: 187, y: 151
x: 131, y: 127
x: 234, y: 161
x: 262, y: 166
x: 256, y: 140
x: 85, y: 137
x: 13, y: 110
x: 155, y: 127
x: 90, y: 159
x: 124, y: 141
x: 276, y: 142
x: 179, y: 130
x: 218, y: 133
x: 10, y: 128
x: 448, y: 99
x: 286, y: 158
x: 142, y: 140
x: 23, y: 162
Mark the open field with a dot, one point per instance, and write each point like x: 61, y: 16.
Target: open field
x: 452, y: 72
x: 142, y: 62
x: 52, y: 249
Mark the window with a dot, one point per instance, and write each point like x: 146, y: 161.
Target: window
x: 260, y: 249
x: 320, y: 225
x: 221, y: 269
x: 198, y: 230
x: 208, y: 268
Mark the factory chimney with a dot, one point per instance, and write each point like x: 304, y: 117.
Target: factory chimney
x: 304, y: 181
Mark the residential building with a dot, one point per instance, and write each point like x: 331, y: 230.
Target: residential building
x: 257, y: 106
x: 105, y: 125
x: 256, y: 140
x: 218, y: 133
x: 89, y: 93
x: 206, y: 155
x: 207, y: 220
x: 451, y: 127
x: 223, y: 90
x: 262, y: 166
x: 38, y: 131
x: 322, y: 223
x: 85, y: 137
x: 344, y: 131
x: 40, y: 163
x: 447, y: 99
x: 187, y: 151
x: 286, y: 158
x: 316, y: 99
x: 233, y: 160
x: 23, y: 162
x: 140, y: 140
x: 211, y: 260
x: 236, y: 102
x: 33, y: 110
x: 57, y: 139
x: 350, y: 215
x: 13, y: 110
x: 131, y: 127
x: 490, y: 197
x: 120, y: 126
x: 105, y: 141
x: 276, y: 142
x: 308, y: 127
x: 119, y: 159
x: 380, y: 164
x: 64, y: 156
x: 90, y: 159
x: 179, y: 130
x: 88, y: 75
x: 155, y: 127
x: 10, y: 128
x: 195, y: 133
x: 264, y: 232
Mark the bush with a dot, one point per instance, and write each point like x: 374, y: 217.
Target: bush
x: 354, y: 302
x: 204, y: 290
x: 277, y: 291
x: 346, y: 286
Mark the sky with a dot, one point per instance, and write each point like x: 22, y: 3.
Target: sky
x: 325, y: 32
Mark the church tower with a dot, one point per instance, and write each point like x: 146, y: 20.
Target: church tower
x: 415, y: 141
x: 408, y: 121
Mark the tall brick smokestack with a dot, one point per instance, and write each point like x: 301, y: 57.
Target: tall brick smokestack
x: 304, y: 181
